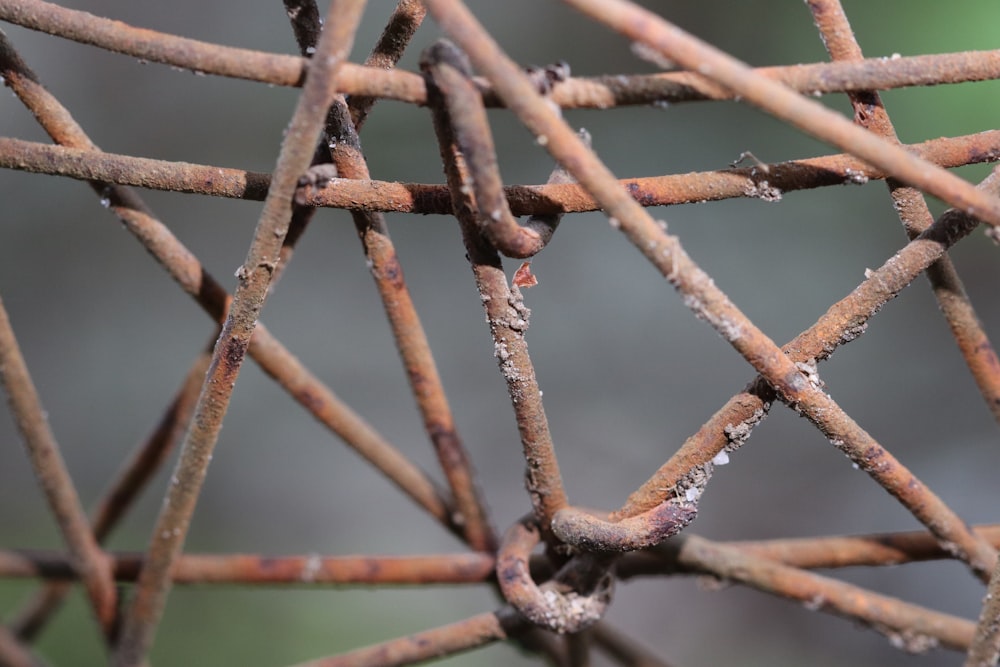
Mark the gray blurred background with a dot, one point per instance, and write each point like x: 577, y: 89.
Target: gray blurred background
x: 628, y: 373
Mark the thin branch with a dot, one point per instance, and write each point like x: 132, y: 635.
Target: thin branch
x: 54, y: 478
x: 152, y: 46
x: 171, y: 526
x: 671, y: 42
x: 549, y: 199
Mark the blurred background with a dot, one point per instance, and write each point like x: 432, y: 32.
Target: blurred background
x: 627, y: 372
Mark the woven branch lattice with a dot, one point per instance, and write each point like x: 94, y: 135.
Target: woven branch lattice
x: 553, y: 605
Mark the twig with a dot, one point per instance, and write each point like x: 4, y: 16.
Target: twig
x: 172, y: 524
x: 870, y: 113
x: 54, y: 478
x: 784, y: 103
x: 550, y: 199
x: 605, y: 92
